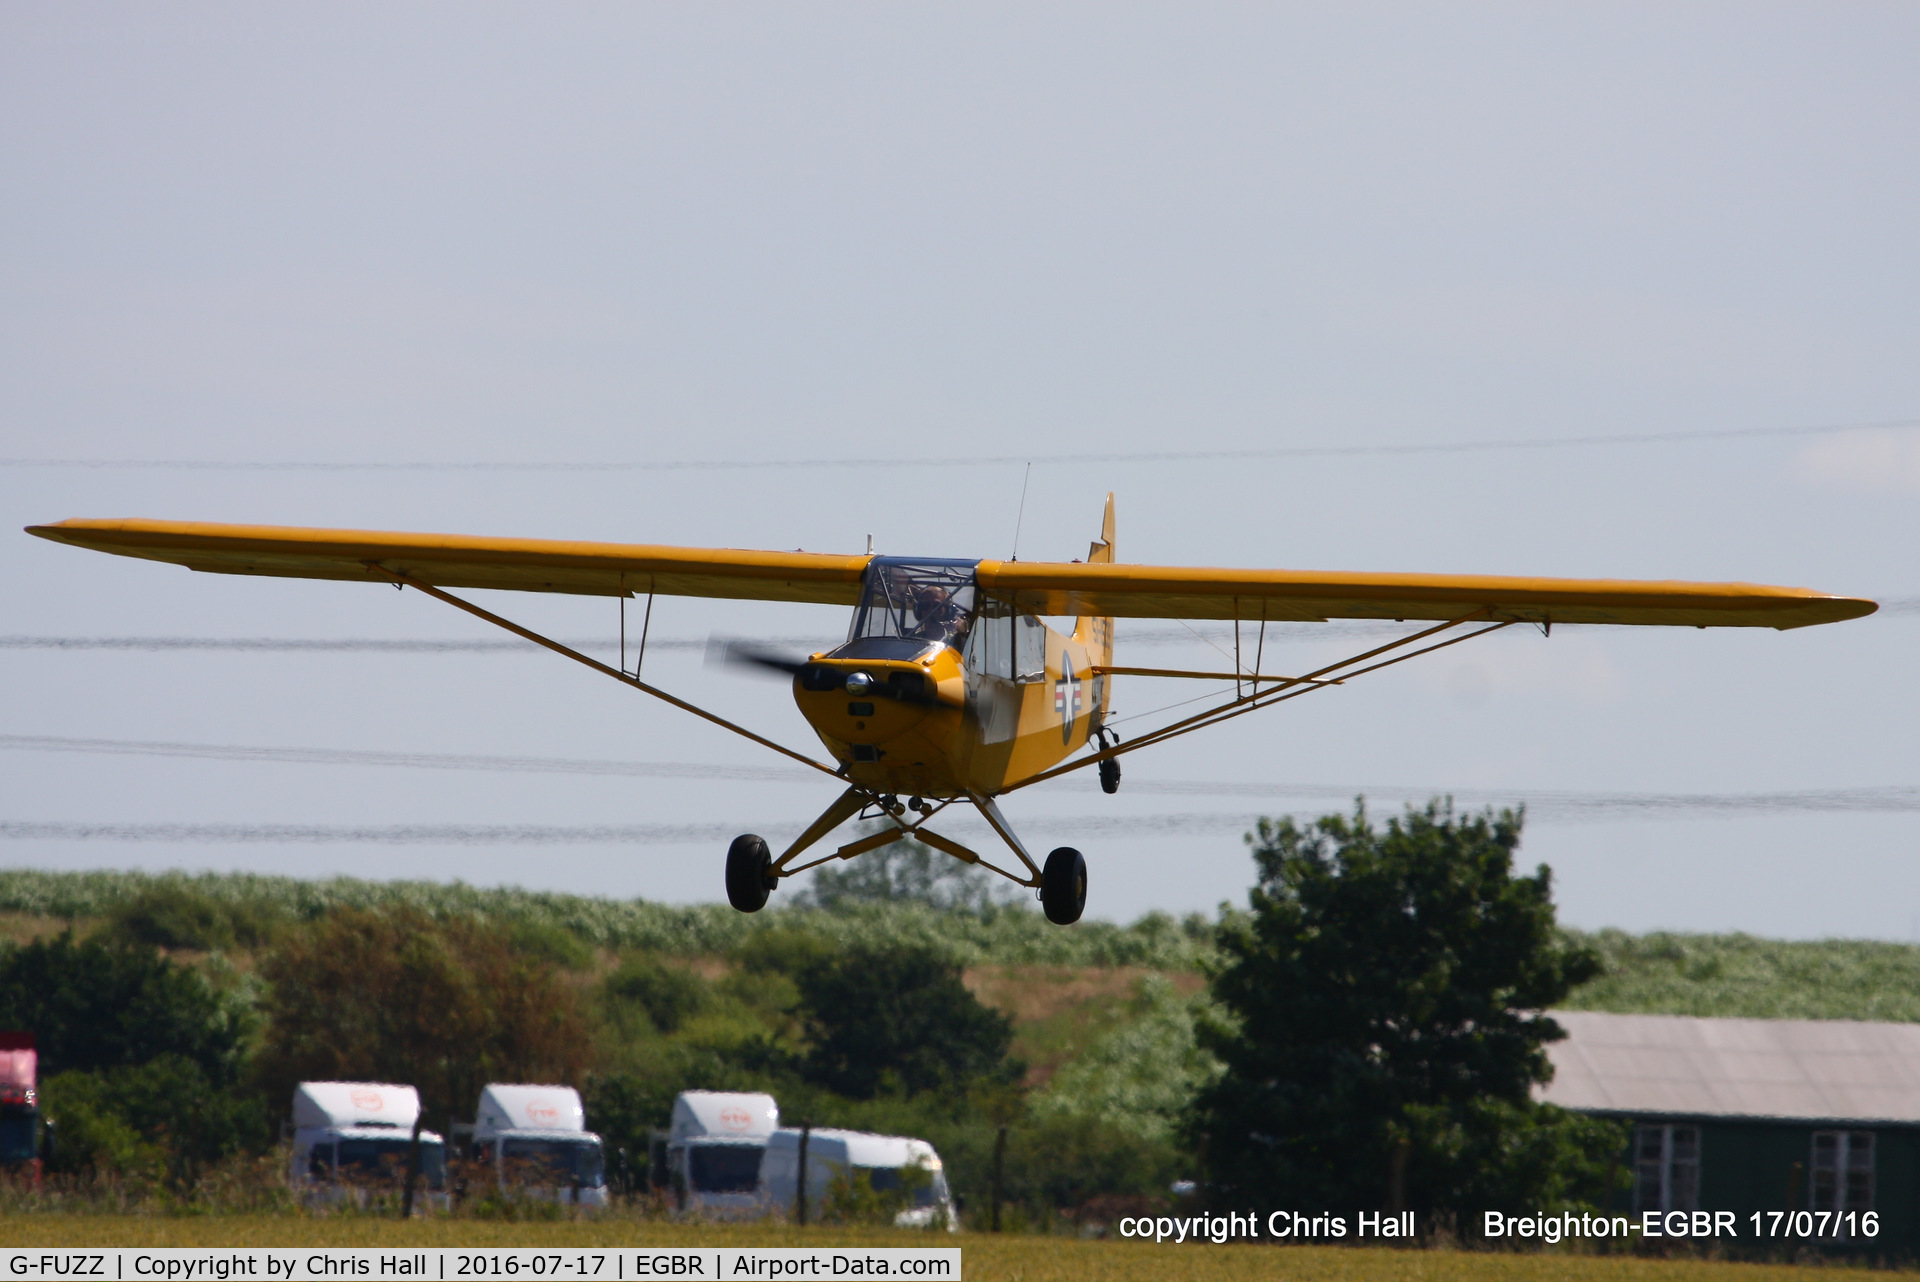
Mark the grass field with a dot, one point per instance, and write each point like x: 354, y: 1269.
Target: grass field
x: 986, y: 1259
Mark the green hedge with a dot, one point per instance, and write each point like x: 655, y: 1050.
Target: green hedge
x: 1747, y: 977
x: 1013, y: 936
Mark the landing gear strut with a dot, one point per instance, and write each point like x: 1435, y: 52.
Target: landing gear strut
x: 752, y: 871
x: 749, y: 873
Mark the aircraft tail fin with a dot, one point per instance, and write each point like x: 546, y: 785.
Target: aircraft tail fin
x: 1102, y: 549
x: 1096, y: 633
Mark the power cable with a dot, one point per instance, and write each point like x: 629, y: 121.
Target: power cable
x: 1558, y: 804
x: 1341, y: 630
x: 970, y: 460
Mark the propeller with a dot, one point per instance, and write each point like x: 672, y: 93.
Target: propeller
x: 745, y: 654
x: 904, y: 687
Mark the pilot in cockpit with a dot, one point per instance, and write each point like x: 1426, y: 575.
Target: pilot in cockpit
x: 938, y: 616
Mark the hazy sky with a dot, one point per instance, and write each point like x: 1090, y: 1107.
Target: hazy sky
x: 854, y: 244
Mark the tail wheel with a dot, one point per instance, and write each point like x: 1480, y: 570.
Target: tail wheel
x: 1110, y: 768
x: 1063, y: 886
x: 749, y: 873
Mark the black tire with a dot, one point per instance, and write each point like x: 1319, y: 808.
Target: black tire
x: 749, y: 873
x: 1110, y: 775
x: 1063, y: 886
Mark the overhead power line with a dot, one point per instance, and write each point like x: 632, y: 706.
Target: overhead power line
x: 1570, y: 808
x: 355, y: 645
x: 1557, y: 805
x: 1341, y: 630
x: 965, y: 460
x: 402, y: 760
x: 489, y: 645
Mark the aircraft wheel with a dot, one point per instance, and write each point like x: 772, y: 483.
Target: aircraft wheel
x: 1063, y: 886
x: 1110, y: 775
x: 749, y: 873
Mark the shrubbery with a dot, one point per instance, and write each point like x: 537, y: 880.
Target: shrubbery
x: 103, y: 1003
x: 1369, y: 1037
x: 446, y: 1006
x: 1015, y: 936
x: 161, y: 1120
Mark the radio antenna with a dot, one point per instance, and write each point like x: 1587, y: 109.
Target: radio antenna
x: 1022, y: 515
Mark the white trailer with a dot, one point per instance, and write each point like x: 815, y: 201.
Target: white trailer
x: 535, y: 1141
x: 887, y: 1162
x: 354, y: 1138
x: 711, y: 1154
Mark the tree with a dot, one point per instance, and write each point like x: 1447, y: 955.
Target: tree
x: 666, y: 994
x: 897, y: 1016
x: 160, y: 1117
x: 446, y: 1006
x: 107, y: 1003
x: 169, y: 915
x: 1386, y: 998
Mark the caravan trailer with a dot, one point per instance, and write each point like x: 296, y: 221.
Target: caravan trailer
x: 710, y: 1155
x: 353, y: 1138
x: 535, y: 1140
x: 886, y: 1161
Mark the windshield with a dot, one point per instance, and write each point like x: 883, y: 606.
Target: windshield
x: 916, y: 600
x: 926, y: 1188
x: 724, y: 1168
x: 561, y: 1163
x: 358, y: 1160
x: 16, y: 1137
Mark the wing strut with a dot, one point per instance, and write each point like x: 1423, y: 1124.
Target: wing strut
x: 1288, y: 688
x: 404, y: 580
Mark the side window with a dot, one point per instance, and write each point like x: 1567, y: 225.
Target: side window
x: 1666, y: 1168
x: 1030, y: 649
x: 990, y: 643
x: 1842, y: 1171
x: 1007, y: 645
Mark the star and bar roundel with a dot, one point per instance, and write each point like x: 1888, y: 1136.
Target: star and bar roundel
x: 1066, y: 702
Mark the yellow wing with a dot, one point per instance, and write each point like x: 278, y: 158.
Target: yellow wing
x: 1169, y: 592
x: 1126, y: 591
x: 457, y: 560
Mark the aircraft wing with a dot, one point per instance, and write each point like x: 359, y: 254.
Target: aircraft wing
x: 1125, y: 591
x: 462, y: 561
x: 1169, y: 592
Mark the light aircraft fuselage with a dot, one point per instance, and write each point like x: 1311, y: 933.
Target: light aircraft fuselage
x: 939, y: 692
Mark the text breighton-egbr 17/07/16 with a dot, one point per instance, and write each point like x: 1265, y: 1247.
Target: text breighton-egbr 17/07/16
x: 1292, y: 1225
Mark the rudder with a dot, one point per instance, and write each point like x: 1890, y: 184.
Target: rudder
x: 1095, y: 632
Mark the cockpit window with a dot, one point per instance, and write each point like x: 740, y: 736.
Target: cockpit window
x: 916, y: 601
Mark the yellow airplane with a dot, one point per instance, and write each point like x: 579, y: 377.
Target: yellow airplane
x: 949, y: 687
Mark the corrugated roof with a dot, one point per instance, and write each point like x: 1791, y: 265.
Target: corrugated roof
x: 1674, y: 1065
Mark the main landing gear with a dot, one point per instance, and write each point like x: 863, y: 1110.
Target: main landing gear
x: 749, y: 873
x: 752, y: 871
x: 1063, y: 886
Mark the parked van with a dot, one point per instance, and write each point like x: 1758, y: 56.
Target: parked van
x: 887, y: 1162
x: 535, y: 1141
x: 350, y: 1138
x: 710, y: 1155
